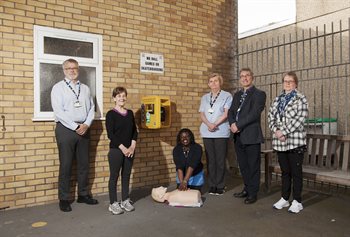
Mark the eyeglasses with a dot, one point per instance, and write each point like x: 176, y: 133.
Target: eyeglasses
x: 71, y: 68
x: 244, y: 76
x: 289, y: 82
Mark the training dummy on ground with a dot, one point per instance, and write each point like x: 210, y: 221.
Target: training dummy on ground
x: 188, y: 198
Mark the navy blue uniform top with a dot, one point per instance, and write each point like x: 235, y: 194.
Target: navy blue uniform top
x: 193, y: 160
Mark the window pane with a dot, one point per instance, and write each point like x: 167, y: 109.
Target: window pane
x: 68, y: 47
x: 50, y: 74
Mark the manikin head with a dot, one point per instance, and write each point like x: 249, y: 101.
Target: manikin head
x: 158, y: 194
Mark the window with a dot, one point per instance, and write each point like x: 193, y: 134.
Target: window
x: 256, y: 16
x: 51, y: 48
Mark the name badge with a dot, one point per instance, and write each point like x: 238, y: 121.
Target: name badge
x: 77, y: 104
x: 210, y: 111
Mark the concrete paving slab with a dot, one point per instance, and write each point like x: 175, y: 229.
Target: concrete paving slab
x: 324, y: 215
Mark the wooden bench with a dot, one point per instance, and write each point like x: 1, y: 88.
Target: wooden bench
x: 326, y: 160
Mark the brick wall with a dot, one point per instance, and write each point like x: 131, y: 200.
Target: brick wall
x: 196, y: 37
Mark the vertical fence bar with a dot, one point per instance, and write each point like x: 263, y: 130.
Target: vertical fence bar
x: 314, y: 111
x: 267, y: 57
x: 324, y: 46
x: 337, y: 102
x: 290, y: 52
x: 272, y: 56
x: 322, y: 106
x: 256, y: 57
x: 296, y: 50
x: 347, y: 116
x: 317, y: 56
x: 332, y: 29
x: 284, y: 52
x: 278, y: 54
x: 340, y: 42
x: 303, y: 49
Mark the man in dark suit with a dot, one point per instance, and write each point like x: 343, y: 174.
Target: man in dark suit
x: 244, y: 118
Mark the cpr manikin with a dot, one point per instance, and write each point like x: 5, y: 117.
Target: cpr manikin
x: 188, y: 198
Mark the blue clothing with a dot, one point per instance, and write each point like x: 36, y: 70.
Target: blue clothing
x: 63, y: 100
x: 195, y: 180
x: 223, y: 102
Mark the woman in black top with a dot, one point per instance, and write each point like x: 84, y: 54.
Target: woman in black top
x: 122, y: 133
x: 187, y: 155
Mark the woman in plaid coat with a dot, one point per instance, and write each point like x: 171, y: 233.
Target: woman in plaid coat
x: 286, y: 120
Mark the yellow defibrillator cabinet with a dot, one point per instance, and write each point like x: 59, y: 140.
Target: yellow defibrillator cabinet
x: 155, y: 112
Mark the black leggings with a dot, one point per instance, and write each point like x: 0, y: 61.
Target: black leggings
x: 292, y: 173
x: 118, y: 161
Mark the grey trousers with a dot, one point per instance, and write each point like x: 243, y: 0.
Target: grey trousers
x: 70, y: 146
x: 216, y: 150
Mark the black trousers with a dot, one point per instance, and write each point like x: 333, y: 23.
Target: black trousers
x: 249, y: 160
x: 117, y: 161
x: 292, y: 173
x: 70, y: 146
x: 216, y: 150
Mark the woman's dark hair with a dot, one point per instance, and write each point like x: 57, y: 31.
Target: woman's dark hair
x: 118, y: 90
x: 189, y: 132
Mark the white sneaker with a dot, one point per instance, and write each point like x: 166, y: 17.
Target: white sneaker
x: 115, y: 208
x: 126, y: 205
x: 280, y: 204
x: 296, y: 207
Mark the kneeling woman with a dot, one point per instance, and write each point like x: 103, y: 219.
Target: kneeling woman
x: 187, y: 155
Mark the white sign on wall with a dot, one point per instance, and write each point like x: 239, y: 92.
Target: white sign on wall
x: 151, y: 63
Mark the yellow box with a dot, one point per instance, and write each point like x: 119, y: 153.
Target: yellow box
x: 155, y: 112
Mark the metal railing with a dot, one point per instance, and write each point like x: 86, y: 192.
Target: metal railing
x: 321, y: 60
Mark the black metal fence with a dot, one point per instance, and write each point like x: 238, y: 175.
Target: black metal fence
x: 321, y: 59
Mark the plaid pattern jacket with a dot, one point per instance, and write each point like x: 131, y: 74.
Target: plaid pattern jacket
x: 290, y: 123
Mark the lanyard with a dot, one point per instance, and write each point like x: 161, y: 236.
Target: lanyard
x: 71, y: 88
x: 241, y: 101
x: 211, y: 97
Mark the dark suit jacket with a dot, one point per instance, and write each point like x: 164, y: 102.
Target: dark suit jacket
x: 250, y: 115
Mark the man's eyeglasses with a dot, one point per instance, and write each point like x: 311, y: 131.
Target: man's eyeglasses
x: 71, y: 68
x: 288, y: 82
x: 244, y: 76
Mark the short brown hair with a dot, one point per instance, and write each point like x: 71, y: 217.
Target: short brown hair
x: 118, y: 90
x: 293, y: 75
x: 247, y: 69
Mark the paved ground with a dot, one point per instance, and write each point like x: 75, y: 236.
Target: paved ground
x: 324, y: 215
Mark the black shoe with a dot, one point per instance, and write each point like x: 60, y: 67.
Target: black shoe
x: 65, y: 206
x: 250, y: 200
x: 212, y: 191
x: 87, y: 199
x: 242, y: 194
x: 220, y: 192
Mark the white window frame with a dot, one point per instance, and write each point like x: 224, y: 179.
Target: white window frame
x: 40, y: 57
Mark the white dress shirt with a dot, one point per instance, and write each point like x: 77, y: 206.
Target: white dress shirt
x: 66, y: 111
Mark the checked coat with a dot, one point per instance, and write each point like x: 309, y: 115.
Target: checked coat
x: 290, y: 122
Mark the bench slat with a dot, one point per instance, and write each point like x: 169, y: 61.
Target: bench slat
x: 346, y: 156
x: 313, y: 152
x: 320, y: 153
x: 337, y: 154
x: 329, y: 153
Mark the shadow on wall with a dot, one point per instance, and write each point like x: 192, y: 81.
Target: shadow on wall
x: 95, y: 135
